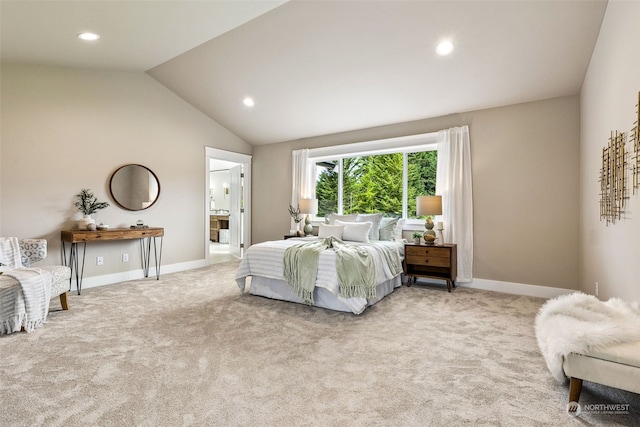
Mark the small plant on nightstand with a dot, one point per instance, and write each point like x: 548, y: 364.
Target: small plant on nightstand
x: 416, y: 237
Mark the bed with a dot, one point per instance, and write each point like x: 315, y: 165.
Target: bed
x: 263, y: 263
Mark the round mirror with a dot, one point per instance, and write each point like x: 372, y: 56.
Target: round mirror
x: 134, y: 187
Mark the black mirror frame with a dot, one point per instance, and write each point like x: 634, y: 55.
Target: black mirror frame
x: 115, y: 199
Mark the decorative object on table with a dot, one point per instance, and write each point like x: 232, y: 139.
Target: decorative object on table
x: 295, y: 215
x: 429, y: 239
x: 440, y: 228
x: 309, y: 207
x: 140, y: 224
x: 416, y: 237
x: 91, y: 226
x: 102, y: 226
x: 428, y: 206
x: 88, y: 204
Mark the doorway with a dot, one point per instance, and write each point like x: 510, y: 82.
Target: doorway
x: 227, y: 229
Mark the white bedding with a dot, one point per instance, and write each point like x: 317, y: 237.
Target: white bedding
x: 265, y: 260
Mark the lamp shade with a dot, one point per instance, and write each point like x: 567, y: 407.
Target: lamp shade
x: 308, y: 206
x: 428, y: 205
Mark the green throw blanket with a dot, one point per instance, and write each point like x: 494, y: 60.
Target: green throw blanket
x: 301, y: 267
x: 356, y: 269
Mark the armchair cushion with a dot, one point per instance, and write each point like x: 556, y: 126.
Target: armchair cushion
x: 32, y: 250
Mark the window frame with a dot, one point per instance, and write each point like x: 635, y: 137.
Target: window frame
x: 404, y: 145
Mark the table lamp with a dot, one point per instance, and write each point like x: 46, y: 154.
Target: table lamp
x: 308, y: 206
x: 428, y: 206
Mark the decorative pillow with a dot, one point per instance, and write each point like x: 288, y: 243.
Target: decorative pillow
x: 327, y: 230
x: 387, y: 228
x: 375, y: 221
x: 398, y: 231
x: 332, y: 217
x: 355, y: 231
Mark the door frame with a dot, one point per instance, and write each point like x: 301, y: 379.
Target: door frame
x: 245, y: 160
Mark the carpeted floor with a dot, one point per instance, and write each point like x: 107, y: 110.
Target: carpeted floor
x: 191, y: 350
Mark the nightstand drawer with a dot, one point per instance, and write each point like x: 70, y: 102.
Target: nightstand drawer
x: 428, y: 260
x: 427, y: 251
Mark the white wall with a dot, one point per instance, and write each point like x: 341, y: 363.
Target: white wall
x: 609, y: 96
x: 67, y: 129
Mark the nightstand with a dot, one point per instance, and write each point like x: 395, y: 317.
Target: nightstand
x: 432, y: 261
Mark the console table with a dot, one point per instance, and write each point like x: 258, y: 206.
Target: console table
x: 145, y: 235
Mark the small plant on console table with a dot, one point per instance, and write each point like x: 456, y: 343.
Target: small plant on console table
x: 88, y: 204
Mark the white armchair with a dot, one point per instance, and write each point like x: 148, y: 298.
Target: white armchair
x: 34, y: 250
x: 13, y: 309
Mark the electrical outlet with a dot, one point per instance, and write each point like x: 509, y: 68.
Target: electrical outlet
x: 597, y: 284
x: 99, y: 260
x: 125, y: 257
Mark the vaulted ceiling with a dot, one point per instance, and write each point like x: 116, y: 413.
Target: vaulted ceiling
x: 319, y: 67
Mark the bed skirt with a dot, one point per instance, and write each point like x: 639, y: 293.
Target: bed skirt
x: 280, y: 290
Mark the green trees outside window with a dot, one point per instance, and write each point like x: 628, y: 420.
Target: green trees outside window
x: 373, y: 184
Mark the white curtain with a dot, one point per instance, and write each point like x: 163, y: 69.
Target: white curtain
x: 304, y: 178
x: 453, y: 183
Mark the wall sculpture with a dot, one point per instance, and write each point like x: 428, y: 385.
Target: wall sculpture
x: 614, y: 171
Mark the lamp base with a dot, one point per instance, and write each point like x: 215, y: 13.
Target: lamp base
x: 308, y: 228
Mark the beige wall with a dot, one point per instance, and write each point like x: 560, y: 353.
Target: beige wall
x: 71, y: 128
x: 609, y: 96
x: 525, y: 180
x: 67, y: 129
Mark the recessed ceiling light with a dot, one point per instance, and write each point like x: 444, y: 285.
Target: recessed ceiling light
x: 445, y: 48
x: 88, y: 36
x: 249, y: 102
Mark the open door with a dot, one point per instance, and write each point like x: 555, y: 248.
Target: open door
x: 235, y: 211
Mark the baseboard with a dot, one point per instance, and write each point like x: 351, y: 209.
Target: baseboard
x: 516, y: 288
x: 109, y: 279
x: 484, y: 284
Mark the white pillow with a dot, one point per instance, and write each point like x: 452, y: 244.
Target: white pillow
x: 327, y: 230
x: 375, y: 224
x: 345, y: 218
x: 355, y: 231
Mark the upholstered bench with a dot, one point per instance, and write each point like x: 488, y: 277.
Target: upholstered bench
x: 583, y: 338
x: 616, y: 366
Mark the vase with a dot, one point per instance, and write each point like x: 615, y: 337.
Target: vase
x: 83, y: 224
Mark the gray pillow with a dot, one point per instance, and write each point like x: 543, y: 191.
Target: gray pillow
x: 388, y: 228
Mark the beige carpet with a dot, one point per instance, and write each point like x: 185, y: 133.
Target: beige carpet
x: 190, y: 350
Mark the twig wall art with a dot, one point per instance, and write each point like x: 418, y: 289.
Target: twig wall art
x: 613, y: 172
x: 635, y: 143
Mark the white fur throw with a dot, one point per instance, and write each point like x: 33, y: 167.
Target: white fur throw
x: 576, y: 323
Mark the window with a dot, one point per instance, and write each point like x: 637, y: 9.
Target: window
x: 384, y: 180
